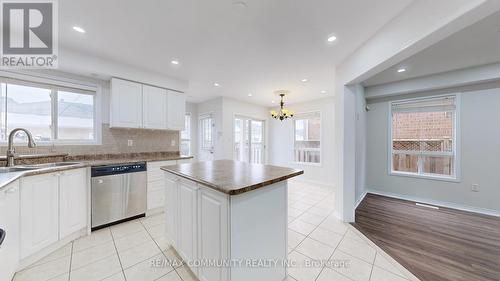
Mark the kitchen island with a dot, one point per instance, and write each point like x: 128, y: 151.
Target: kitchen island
x: 228, y: 219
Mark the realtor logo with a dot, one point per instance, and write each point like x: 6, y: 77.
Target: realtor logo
x: 29, y: 34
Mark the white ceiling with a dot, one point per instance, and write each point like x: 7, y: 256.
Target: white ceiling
x: 478, y: 44
x: 256, y: 47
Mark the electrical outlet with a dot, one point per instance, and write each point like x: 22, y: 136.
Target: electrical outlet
x: 130, y: 142
x: 172, y: 142
x: 474, y: 187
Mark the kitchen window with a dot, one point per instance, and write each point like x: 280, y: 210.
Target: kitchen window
x: 307, y: 138
x: 186, y: 136
x: 424, y: 137
x: 52, y: 114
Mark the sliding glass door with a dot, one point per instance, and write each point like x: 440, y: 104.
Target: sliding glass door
x: 249, y: 142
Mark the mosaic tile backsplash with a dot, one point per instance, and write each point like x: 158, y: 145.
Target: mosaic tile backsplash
x: 113, y: 141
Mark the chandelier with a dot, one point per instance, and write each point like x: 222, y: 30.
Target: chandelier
x: 283, y: 113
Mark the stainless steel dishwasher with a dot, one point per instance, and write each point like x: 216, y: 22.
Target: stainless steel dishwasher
x: 119, y: 193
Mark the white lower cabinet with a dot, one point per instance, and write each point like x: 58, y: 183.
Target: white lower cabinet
x: 170, y: 209
x: 213, y: 233
x: 187, y: 220
x: 9, y: 222
x: 197, y: 225
x: 39, y: 212
x: 156, y: 184
x: 217, y: 230
x: 52, y: 206
x: 72, y: 201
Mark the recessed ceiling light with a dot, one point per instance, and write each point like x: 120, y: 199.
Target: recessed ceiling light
x: 331, y: 38
x: 250, y: 94
x: 216, y: 84
x: 401, y: 70
x: 176, y: 62
x: 323, y: 92
x: 304, y: 80
x: 79, y: 29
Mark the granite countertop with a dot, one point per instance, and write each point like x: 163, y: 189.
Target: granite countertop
x: 81, y: 161
x: 6, y: 178
x: 232, y: 177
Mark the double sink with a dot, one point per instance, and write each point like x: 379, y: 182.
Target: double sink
x: 24, y: 168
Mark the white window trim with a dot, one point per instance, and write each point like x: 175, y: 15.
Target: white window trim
x: 457, y: 144
x: 320, y: 139
x: 51, y: 82
x: 190, y: 140
x: 210, y: 115
x: 264, y: 133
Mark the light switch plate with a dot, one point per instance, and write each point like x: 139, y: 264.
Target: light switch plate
x: 130, y: 142
x: 172, y: 142
x: 474, y: 187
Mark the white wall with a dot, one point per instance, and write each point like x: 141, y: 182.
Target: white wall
x: 281, y: 142
x: 192, y: 109
x: 230, y: 108
x: 224, y: 109
x: 410, y: 32
x: 213, y: 107
x: 480, y: 149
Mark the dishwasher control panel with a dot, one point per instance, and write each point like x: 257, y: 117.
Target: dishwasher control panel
x: 118, y: 169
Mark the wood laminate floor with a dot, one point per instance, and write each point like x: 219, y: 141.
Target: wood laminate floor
x: 435, y: 245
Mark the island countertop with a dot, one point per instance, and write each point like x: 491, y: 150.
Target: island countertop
x: 232, y: 177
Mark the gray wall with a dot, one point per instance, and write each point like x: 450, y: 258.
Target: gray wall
x: 480, y: 154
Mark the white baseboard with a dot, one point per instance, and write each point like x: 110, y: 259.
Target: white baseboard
x: 30, y: 260
x: 360, y: 199
x: 155, y: 211
x: 313, y: 182
x: 444, y: 204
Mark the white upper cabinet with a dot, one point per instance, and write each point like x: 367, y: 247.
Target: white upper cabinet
x: 136, y: 105
x: 154, y: 107
x: 176, y: 111
x: 126, y: 104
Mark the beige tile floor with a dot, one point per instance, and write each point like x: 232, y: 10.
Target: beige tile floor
x: 127, y: 251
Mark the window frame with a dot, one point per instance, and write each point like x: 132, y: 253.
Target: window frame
x: 190, y: 140
x: 456, y: 177
x: 201, y: 118
x: 297, y: 116
x: 55, y: 84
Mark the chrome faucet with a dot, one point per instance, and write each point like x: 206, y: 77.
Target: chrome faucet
x: 11, y: 152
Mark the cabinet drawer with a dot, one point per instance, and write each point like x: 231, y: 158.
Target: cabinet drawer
x: 156, y: 185
x: 156, y: 199
x: 154, y: 171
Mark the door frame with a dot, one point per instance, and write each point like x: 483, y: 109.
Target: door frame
x: 200, y: 141
x: 264, y: 133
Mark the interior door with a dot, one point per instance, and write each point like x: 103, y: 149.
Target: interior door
x: 249, y: 142
x: 206, y: 130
